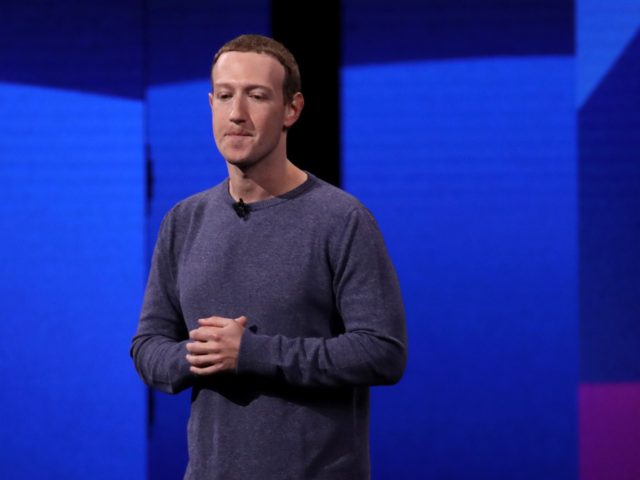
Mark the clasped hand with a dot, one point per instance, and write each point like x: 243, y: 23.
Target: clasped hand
x: 215, y: 344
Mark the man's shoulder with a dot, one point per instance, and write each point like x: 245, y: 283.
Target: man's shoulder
x: 332, y: 211
x: 334, y: 200
x: 193, y: 206
x: 200, y: 199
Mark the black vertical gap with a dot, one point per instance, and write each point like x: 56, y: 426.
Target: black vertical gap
x: 311, y: 31
x: 146, y: 82
x: 148, y: 195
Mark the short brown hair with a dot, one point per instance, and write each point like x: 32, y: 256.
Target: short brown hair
x: 269, y: 46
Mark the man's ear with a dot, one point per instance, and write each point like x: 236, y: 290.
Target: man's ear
x: 293, y: 110
x: 211, y: 100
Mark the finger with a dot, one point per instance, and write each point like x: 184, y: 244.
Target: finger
x: 206, y: 371
x: 241, y: 320
x: 214, y: 321
x: 202, y: 361
x: 203, y: 348
x: 204, y: 334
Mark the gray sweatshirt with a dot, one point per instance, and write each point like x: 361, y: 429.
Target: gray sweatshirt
x: 310, y: 271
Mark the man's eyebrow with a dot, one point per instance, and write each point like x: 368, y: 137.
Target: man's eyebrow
x: 243, y: 87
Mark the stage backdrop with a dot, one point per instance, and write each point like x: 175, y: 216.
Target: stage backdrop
x: 497, y: 144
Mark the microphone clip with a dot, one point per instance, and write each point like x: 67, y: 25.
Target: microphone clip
x: 241, y: 209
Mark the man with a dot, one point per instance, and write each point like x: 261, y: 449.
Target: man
x: 271, y: 295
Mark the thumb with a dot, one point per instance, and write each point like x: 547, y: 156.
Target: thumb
x: 241, y: 320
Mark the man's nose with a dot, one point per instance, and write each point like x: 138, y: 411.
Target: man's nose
x: 238, y: 111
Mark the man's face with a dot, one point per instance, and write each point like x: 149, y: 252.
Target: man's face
x: 247, y: 107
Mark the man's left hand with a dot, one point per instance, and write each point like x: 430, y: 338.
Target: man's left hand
x: 215, y: 345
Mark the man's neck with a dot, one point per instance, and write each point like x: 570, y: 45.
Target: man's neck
x: 260, y: 183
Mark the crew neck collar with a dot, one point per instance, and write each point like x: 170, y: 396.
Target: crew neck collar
x: 272, y: 201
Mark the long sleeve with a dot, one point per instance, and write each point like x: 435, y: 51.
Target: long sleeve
x: 372, y: 349
x: 158, y: 348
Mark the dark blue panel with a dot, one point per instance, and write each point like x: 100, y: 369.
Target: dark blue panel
x: 184, y: 36
x: 382, y: 31
x: 609, y: 142
x: 91, y: 46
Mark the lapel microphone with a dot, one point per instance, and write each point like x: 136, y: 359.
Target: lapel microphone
x: 241, y: 208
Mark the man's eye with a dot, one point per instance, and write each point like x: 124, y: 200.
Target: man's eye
x: 223, y: 96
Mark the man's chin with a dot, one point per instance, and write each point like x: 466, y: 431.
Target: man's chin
x: 242, y: 163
